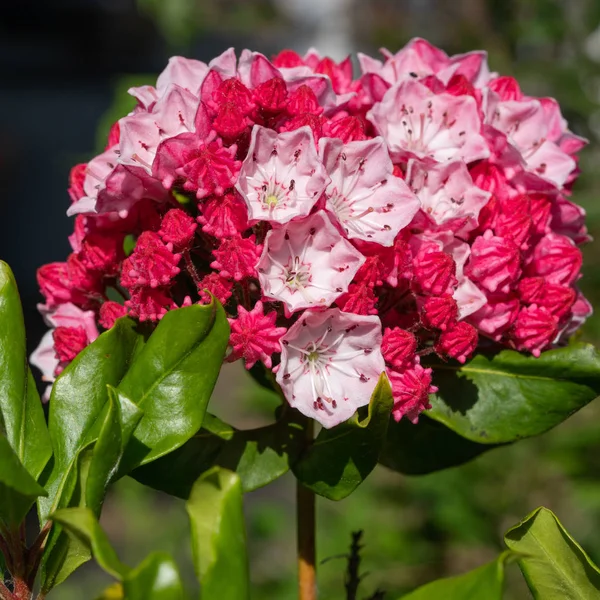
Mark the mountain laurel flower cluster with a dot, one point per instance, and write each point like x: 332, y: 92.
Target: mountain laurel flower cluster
x: 349, y: 226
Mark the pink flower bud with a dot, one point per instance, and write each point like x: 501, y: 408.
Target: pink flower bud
x: 534, y: 329
x: 459, y: 342
x: 109, y: 312
x: 399, y: 347
x: 439, y: 312
x: 177, y: 228
x: 69, y: 342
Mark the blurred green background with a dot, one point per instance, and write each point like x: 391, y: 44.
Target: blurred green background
x: 416, y: 528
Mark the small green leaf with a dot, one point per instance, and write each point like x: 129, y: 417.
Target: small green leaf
x: 554, y: 566
x: 156, y: 578
x: 21, y: 412
x: 78, y: 398
x: 82, y: 525
x: 172, y: 379
x: 218, y: 535
x: 341, y: 458
x: 484, y: 583
x: 493, y: 400
x: 18, y: 489
x: 258, y: 456
x: 425, y: 447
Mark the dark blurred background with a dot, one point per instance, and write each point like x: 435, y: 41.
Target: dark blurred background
x: 64, y: 69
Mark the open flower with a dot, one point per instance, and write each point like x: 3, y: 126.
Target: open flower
x: 370, y: 203
x: 330, y: 364
x: 282, y: 176
x: 307, y: 263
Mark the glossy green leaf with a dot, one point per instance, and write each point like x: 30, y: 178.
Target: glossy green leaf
x: 341, y: 458
x: 484, y: 583
x: 78, y: 398
x: 425, y: 447
x: 218, y: 535
x: 258, y: 456
x: 511, y: 395
x: 97, y: 462
x: 554, y: 566
x: 82, y: 525
x: 21, y: 412
x: 172, y: 379
x: 156, y: 578
x: 18, y: 489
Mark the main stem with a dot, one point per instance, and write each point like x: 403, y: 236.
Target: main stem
x: 305, y: 522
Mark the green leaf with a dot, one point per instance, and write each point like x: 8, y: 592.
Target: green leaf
x: 555, y: 565
x: 484, y: 583
x: 21, y: 412
x: 82, y: 525
x: 218, y: 535
x: 258, y: 456
x: 156, y: 578
x: 18, y: 489
x: 341, y: 458
x: 509, y: 396
x: 172, y: 379
x: 425, y: 447
x: 78, y: 398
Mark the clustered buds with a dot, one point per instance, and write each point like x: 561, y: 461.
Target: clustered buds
x: 348, y: 226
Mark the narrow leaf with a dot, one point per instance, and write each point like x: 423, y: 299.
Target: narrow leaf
x: 82, y: 524
x: 492, y: 400
x: 340, y: 459
x: 484, y: 583
x: 218, y: 535
x: 21, y: 411
x: 554, y: 566
x: 172, y: 379
x: 18, y: 489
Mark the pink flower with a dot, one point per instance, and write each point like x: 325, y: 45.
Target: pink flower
x: 459, y: 342
x: 363, y: 194
x: 568, y: 219
x: 439, y: 312
x: 149, y: 304
x: 142, y: 132
x: 73, y: 323
x: 152, y: 264
x: 411, y: 389
x: 416, y: 123
x: 204, y: 166
x: 330, y: 364
x: 399, y: 347
x: 494, y: 318
x: 282, y: 176
x: 216, y: 285
x: 236, y: 257
x: 534, y: 329
x: 494, y: 263
x: 177, y: 228
x: 447, y: 194
x: 434, y: 271
x: 223, y: 216
x: 254, y: 336
x: 419, y: 58
x: 183, y: 72
x: 525, y: 125
x: 109, y: 312
x: 307, y: 263
x: 557, y: 258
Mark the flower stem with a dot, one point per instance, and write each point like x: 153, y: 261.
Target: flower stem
x: 305, y: 522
